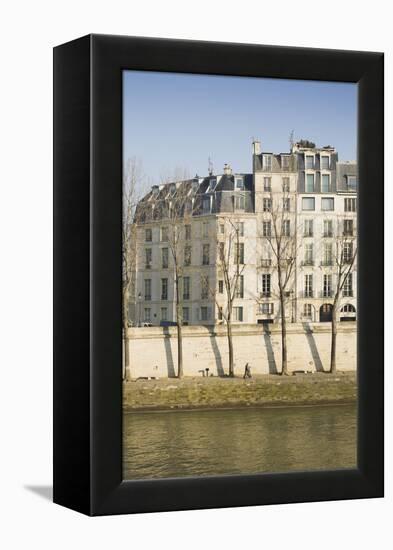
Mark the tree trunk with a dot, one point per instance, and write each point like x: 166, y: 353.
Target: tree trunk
x: 230, y: 348
x: 334, y: 342
x: 127, y: 369
x: 284, y: 360
x: 179, y: 331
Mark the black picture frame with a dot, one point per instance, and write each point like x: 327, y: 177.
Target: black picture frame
x: 87, y: 274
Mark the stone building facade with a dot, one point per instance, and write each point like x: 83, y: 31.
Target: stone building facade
x: 305, y: 198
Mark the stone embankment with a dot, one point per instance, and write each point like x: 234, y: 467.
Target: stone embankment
x: 258, y: 391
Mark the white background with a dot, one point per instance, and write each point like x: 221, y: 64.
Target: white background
x: 29, y: 30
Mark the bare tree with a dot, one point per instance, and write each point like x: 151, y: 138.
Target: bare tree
x: 230, y: 262
x: 344, y: 249
x: 133, y: 182
x: 179, y: 212
x: 279, y: 233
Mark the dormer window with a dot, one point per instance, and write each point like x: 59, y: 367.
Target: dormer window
x: 352, y: 183
x: 325, y: 162
x: 195, y: 185
x: 172, y: 188
x: 309, y: 162
x: 212, y: 185
x: 285, y: 162
x: 239, y: 182
x: 267, y: 162
x: 206, y: 205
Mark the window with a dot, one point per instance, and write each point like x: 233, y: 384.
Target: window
x: 267, y: 184
x: 239, y: 202
x: 222, y: 228
x: 187, y: 255
x: 285, y: 185
x: 352, y: 183
x: 187, y: 231
x: 347, y: 252
x: 239, y: 183
x: 204, y: 288
x: 328, y: 228
x: 350, y: 205
x: 308, y: 228
x: 266, y: 282
x: 327, y: 254
x: 186, y: 314
x: 206, y: 205
x: 267, y: 162
x: 325, y: 183
x: 308, y: 290
x: 238, y: 313
x: 240, y: 228
x: 205, y: 254
x: 307, y: 311
x: 205, y: 230
x: 240, y: 287
x: 148, y: 258
x: 147, y: 315
x: 164, y: 234
x: 308, y: 254
x: 212, y: 184
x: 266, y: 309
x: 347, y: 289
x: 309, y: 162
x: 220, y: 315
x: 186, y: 288
x: 239, y: 253
x: 327, y: 204
x: 310, y: 183
x: 327, y: 286
x: 164, y: 258
x: 221, y: 286
x: 286, y: 228
x: 204, y: 313
x: 308, y: 203
x: 164, y: 289
x: 348, y: 228
x: 148, y: 235
x: 221, y: 251
x: 286, y: 204
x: 267, y: 229
x: 147, y: 289
x: 348, y: 308
x: 325, y: 162
x: 267, y: 205
x: 285, y: 162
x: 173, y: 188
x: 164, y: 314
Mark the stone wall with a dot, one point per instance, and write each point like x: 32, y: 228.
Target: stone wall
x: 153, y: 350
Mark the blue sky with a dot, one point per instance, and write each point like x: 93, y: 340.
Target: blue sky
x: 175, y: 120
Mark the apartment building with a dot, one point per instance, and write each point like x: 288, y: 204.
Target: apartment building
x: 304, y: 199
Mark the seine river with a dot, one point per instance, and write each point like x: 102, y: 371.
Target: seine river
x: 213, y: 442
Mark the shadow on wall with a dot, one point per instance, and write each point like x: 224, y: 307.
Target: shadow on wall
x: 216, y: 351
x: 269, y: 350
x: 170, y: 363
x: 313, y: 347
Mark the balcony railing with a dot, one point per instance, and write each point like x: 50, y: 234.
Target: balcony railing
x: 147, y: 297
x: 308, y: 262
x: 326, y: 263
x: 265, y: 294
x: 266, y: 263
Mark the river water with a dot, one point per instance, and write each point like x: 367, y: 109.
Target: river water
x: 238, y: 441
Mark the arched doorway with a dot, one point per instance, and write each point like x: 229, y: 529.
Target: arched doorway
x: 348, y: 313
x: 325, y: 313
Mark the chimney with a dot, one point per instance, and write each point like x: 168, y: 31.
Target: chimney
x: 227, y: 169
x: 256, y: 147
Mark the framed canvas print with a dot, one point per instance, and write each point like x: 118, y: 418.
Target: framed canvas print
x: 218, y: 275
